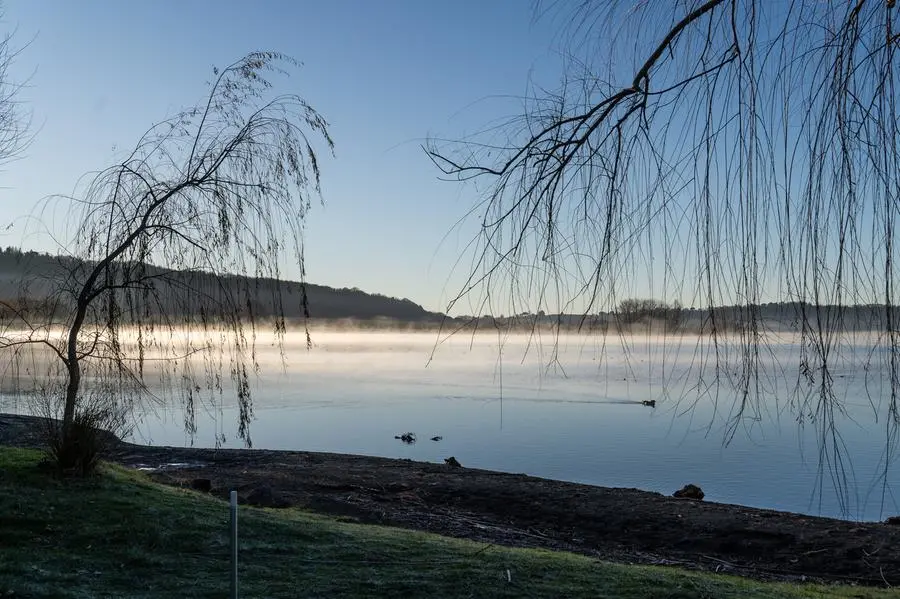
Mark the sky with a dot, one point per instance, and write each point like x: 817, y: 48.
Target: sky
x: 385, y: 75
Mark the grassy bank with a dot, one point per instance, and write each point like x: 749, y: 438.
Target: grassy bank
x: 120, y: 535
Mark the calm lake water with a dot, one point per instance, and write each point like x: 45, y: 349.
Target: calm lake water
x: 574, y: 414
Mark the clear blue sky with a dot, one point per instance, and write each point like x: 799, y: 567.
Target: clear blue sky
x: 385, y: 75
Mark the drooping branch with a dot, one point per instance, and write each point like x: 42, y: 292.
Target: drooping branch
x: 721, y: 153
x: 189, y: 230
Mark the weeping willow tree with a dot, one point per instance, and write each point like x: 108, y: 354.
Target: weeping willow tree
x: 13, y: 123
x: 731, y: 153
x: 219, y: 190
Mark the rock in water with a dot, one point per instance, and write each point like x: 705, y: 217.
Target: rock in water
x: 437, y: 438
x: 452, y: 461
x: 689, y: 492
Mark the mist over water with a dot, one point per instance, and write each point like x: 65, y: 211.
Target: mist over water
x: 569, y: 408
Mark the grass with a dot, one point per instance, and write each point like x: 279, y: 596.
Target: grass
x: 121, y: 535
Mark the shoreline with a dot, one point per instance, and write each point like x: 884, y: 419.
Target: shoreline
x: 616, y: 524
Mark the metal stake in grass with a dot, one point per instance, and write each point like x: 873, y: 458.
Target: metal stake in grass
x: 234, y: 546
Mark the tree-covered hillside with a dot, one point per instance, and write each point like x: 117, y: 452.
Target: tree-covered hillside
x: 28, y: 278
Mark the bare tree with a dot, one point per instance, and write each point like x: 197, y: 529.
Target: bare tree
x: 749, y: 147
x: 221, y: 189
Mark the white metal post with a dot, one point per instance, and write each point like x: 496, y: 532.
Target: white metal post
x: 234, y: 546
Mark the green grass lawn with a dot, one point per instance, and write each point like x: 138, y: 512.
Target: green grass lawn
x: 121, y: 535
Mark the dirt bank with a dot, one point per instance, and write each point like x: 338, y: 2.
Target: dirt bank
x: 625, y: 525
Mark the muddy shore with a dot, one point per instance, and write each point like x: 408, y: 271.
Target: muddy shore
x: 623, y: 525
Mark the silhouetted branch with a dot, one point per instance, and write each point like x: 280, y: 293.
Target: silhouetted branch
x: 729, y: 153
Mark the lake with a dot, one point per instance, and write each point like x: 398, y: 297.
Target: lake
x: 569, y: 409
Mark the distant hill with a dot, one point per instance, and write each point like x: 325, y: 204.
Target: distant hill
x: 33, y: 275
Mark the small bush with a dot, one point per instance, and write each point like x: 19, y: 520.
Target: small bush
x: 98, y: 423
x: 77, y: 451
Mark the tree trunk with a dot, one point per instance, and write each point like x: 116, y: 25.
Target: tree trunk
x: 74, y: 370
x: 73, y: 364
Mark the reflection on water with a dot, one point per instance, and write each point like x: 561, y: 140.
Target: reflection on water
x: 580, y: 420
